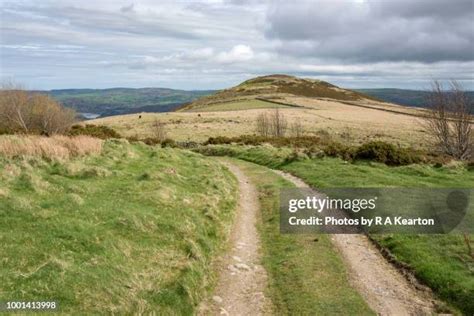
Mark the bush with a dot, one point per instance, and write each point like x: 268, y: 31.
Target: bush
x: 151, y: 141
x: 99, y: 131
x: 32, y: 113
x: 187, y: 144
x: 386, y: 153
x: 315, y: 146
x: 254, y: 140
x: 470, y: 165
x: 4, y: 131
x: 168, y: 142
x: 339, y: 150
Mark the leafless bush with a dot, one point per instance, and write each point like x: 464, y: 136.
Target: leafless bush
x: 263, y: 126
x: 297, y: 129
x: 23, y: 112
x: 449, y: 120
x: 273, y: 124
x: 279, y: 124
x: 158, y: 130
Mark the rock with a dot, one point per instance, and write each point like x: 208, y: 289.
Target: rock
x: 242, y: 266
x: 217, y: 299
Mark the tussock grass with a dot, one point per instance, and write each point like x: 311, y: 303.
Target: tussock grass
x: 56, y: 147
x: 110, y: 234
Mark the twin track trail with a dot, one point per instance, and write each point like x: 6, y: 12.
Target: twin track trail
x: 383, y: 287
x: 242, y: 279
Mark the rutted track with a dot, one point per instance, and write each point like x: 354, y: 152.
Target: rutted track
x: 383, y: 287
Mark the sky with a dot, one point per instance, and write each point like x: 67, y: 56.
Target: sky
x: 214, y: 44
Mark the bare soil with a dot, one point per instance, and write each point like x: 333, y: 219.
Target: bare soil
x: 242, y: 278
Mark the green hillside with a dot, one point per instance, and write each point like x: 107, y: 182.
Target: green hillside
x: 271, y: 89
x: 131, y: 230
x: 107, y: 102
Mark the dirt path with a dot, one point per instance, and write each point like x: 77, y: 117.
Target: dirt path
x: 383, y: 287
x: 242, y: 279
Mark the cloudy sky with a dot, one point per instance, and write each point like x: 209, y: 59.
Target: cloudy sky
x: 218, y: 43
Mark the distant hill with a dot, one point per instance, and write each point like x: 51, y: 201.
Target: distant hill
x: 415, y: 98
x: 269, y: 91
x: 115, y: 101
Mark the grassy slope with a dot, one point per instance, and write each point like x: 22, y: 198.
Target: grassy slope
x: 240, y: 105
x: 441, y: 261
x: 132, y: 230
x: 274, y: 86
x: 306, y: 275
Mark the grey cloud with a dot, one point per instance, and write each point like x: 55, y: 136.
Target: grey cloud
x: 422, y: 8
x: 128, y: 8
x: 104, y: 21
x: 216, y: 44
x: 424, y: 30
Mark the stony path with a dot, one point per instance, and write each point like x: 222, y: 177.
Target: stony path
x: 242, y: 279
x: 383, y: 287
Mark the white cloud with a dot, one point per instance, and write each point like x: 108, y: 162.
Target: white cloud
x: 238, y: 53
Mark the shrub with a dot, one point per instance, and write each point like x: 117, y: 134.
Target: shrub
x: 32, y: 113
x: 151, y: 141
x: 158, y: 129
x: 168, y: 142
x: 295, y: 155
x: 187, y: 144
x: 99, y: 131
x: 315, y: 146
x: 470, y: 165
x: 133, y: 139
x: 254, y: 140
x: 216, y: 151
x: 386, y: 153
x: 4, y: 131
x: 339, y: 150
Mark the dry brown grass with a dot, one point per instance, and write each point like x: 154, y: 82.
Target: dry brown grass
x: 56, y: 147
x: 348, y: 124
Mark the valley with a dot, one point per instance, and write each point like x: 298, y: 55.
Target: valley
x: 117, y: 101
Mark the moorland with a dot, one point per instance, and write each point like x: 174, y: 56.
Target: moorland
x: 136, y: 210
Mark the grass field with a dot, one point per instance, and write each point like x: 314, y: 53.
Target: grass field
x: 306, y: 275
x: 345, y: 123
x: 131, y: 230
x: 345, y: 115
x: 240, y: 105
x: 440, y: 261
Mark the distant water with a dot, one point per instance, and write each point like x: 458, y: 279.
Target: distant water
x: 90, y: 116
